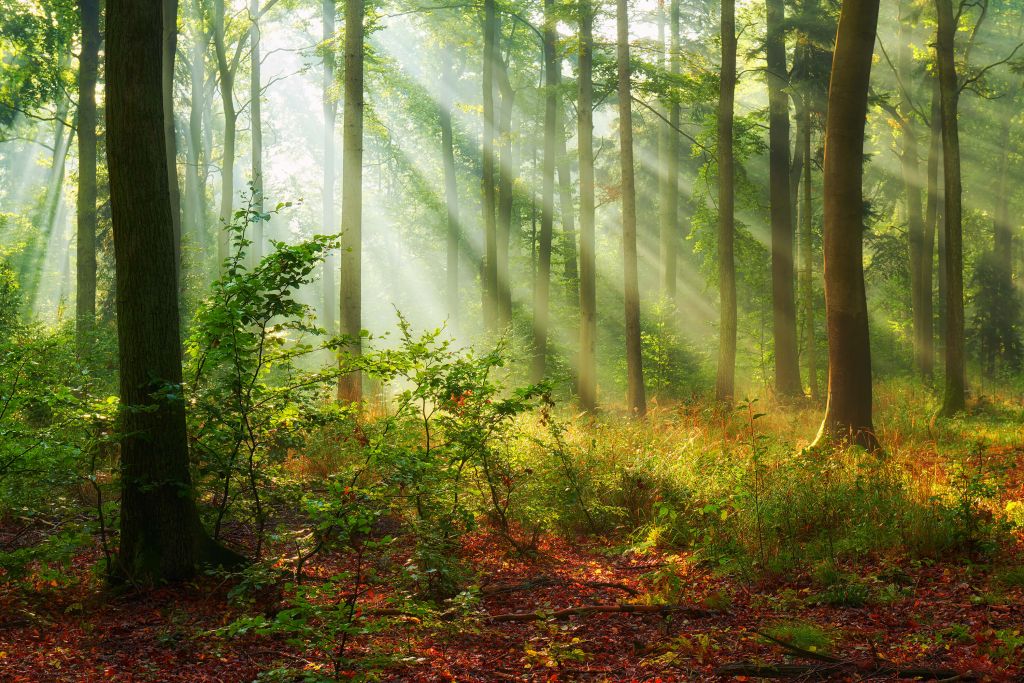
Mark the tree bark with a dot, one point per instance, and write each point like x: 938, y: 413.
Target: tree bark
x: 542, y: 282
x: 451, y: 189
x: 587, y: 371
x: 161, y: 535
x: 330, y: 110
x: 953, y: 397
x: 350, y: 385
x: 933, y: 221
x: 506, y: 193
x: 787, y: 365
x: 726, y: 376
x: 196, y: 154
x: 256, y: 128
x: 227, y: 98
x: 848, y: 406
x: 170, y: 50
x: 807, y: 251
x: 635, y: 397
x: 85, y: 300
x: 488, y: 177
x: 669, y: 203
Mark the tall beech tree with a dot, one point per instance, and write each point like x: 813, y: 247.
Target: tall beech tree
x: 488, y: 175
x: 542, y: 281
x: 669, y: 200
x: 350, y: 385
x: 848, y: 405
x: 85, y: 298
x: 161, y: 535
x: 329, y: 11
x: 451, y: 189
x: 635, y: 395
x: 726, y: 377
x: 787, y: 365
x: 949, y: 95
x: 587, y: 364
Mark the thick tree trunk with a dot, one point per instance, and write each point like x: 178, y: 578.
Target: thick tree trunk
x: 451, y: 191
x: 635, y: 397
x: 726, y: 376
x: 956, y: 374
x: 542, y: 281
x: 330, y: 110
x: 848, y: 407
x: 488, y: 179
x: 587, y: 371
x: 350, y: 385
x: 161, y: 535
x: 256, y: 128
x: 787, y: 364
x: 85, y: 301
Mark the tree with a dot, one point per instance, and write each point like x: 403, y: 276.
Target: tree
x: 350, y: 386
x: 587, y: 370
x: 542, y: 283
x: 488, y: 178
x: 451, y: 189
x: 635, y: 398
x: 787, y: 366
x: 161, y: 534
x: 256, y: 127
x: 669, y: 201
x: 848, y: 405
x: 85, y: 301
x: 330, y: 102
x: 169, y: 43
x: 726, y: 377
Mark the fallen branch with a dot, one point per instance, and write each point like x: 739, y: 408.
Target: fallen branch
x: 692, y: 612
x: 826, y: 670
x: 547, y: 581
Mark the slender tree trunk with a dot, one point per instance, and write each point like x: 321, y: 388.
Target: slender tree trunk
x: 85, y: 302
x: 488, y: 180
x: 1002, y: 226
x: 588, y: 267
x: 635, y: 397
x: 256, y: 128
x: 350, y: 386
x: 933, y: 223
x: 956, y: 374
x: 451, y: 190
x: 170, y: 50
x: 542, y: 282
x: 726, y: 377
x: 196, y: 172
x: 848, y: 407
x: 227, y: 98
x: 787, y: 365
x: 330, y: 110
x: 669, y: 202
x: 565, y: 203
x: 506, y: 194
x: 807, y: 251
x: 161, y: 534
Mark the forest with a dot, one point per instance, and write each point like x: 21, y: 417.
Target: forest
x: 511, y: 340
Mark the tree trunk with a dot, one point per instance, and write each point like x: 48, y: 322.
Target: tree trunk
x: 807, y: 251
x: 350, y: 385
x: 256, y: 129
x: 956, y: 380
x: 196, y: 157
x: 726, y: 376
x: 848, y: 407
x: 227, y: 164
x: 787, y: 365
x: 635, y: 398
x: 506, y: 193
x: 488, y: 177
x: 542, y: 281
x: 170, y: 50
x: 587, y: 371
x: 161, y: 536
x: 669, y: 202
x: 85, y: 301
x: 451, y: 190
x: 330, y: 109
x: 933, y: 223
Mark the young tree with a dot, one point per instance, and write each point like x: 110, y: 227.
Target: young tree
x: 161, y: 534
x: 848, y: 406
x: 787, y: 366
x: 350, y: 385
x: 669, y: 200
x: 256, y: 127
x: 949, y: 95
x: 587, y: 371
x: 726, y: 377
x: 635, y: 399
x: 542, y: 283
x: 85, y: 301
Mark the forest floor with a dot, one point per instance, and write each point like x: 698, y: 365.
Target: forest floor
x: 952, y: 616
